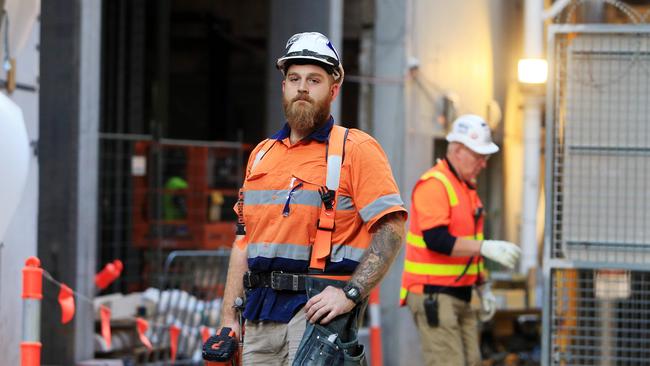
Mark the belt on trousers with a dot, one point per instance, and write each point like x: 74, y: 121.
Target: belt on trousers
x: 281, y: 281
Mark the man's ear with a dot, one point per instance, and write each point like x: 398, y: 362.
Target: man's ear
x: 336, y: 87
x: 283, y: 81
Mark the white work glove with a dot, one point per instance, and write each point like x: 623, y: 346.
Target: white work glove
x: 501, y: 251
x: 488, y: 302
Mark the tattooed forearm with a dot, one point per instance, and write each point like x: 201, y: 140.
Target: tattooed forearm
x: 385, y: 244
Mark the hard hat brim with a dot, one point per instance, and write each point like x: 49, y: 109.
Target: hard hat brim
x: 486, y: 149
x: 317, y: 60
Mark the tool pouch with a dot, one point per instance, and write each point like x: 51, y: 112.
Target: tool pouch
x: 333, y: 344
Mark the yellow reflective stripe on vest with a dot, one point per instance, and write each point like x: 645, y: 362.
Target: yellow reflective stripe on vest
x: 402, y: 293
x: 418, y: 241
x: 438, y: 269
x: 415, y: 240
x: 453, y: 198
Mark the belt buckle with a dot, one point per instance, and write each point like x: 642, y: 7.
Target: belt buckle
x: 275, y: 281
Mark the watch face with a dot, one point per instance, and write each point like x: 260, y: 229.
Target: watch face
x: 353, y: 293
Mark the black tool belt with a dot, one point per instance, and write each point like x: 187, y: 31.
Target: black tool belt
x: 276, y: 280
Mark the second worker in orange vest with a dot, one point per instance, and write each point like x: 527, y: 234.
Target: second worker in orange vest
x: 445, y: 246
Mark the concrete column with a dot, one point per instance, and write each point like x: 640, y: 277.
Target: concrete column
x: 391, y: 126
x: 533, y: 47
x: 287, y: 18
x: 69, y: 114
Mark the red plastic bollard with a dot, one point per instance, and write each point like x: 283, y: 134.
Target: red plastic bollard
x: 108, y: 274
x: 32, y: 279
x: 30, y: 353
x: 30, y: 346
x: 376, y: 356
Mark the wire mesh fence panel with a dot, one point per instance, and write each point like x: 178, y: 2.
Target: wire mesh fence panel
x: 159, y: 197
x: 120, y: 167
x: 601, y: 148
x: 600, y: 317
x: 165, y: 195
x: 598, y: 169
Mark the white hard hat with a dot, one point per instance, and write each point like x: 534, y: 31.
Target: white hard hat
x: 312, y: 46
x: 473, y: 132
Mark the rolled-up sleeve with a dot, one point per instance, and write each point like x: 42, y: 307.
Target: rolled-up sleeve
x: 375, y: 192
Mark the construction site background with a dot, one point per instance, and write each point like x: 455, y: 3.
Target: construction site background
x: 142, y: 114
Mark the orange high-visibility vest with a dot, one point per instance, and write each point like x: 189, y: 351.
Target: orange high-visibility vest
x: 423, y: 266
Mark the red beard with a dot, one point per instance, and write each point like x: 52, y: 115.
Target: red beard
x: 303, y: 113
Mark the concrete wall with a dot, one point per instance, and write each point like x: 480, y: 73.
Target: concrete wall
x: 20, y: 241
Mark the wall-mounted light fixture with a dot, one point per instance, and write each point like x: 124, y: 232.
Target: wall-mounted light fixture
x: 532, y: 71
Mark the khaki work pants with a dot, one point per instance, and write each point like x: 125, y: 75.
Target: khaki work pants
x: 455, y: 340
x: 271, y: 343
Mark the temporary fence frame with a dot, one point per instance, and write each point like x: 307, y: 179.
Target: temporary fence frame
x: 621, y: 264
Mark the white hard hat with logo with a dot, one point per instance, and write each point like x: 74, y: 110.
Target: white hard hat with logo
x: 315, y: 47
x: 473, y: 132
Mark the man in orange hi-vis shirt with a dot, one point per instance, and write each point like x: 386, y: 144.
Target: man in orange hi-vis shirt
x: 445, y: 246
x: 323, y: 222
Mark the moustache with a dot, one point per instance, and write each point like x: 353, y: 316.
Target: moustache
x: 304, y: 97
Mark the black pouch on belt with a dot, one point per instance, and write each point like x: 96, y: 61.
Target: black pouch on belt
x: 333, y: 344
x: 431, y: 310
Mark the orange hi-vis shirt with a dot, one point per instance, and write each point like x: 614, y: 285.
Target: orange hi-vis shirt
x: 441, y: 199
x: 282, y: 206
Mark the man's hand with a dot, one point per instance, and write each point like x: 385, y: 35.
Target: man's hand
x: 234, y: 325
x: 330, y: 303
x: 488, y: 302
x: 503, y: 252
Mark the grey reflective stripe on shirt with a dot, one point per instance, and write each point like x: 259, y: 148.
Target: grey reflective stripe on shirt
x: 271, y: 250
x: 279, y: 197
x: 333, y: 171
x: 345, y: 203
x: 340, y: 252
x: 301, y: 252
x: 379, y: 205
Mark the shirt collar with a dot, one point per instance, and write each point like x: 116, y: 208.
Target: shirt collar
x: 321, y: 134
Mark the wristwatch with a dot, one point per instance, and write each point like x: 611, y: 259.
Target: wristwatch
x: 352, y: 292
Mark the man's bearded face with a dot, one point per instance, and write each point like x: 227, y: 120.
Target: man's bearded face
x: 305, y: 113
